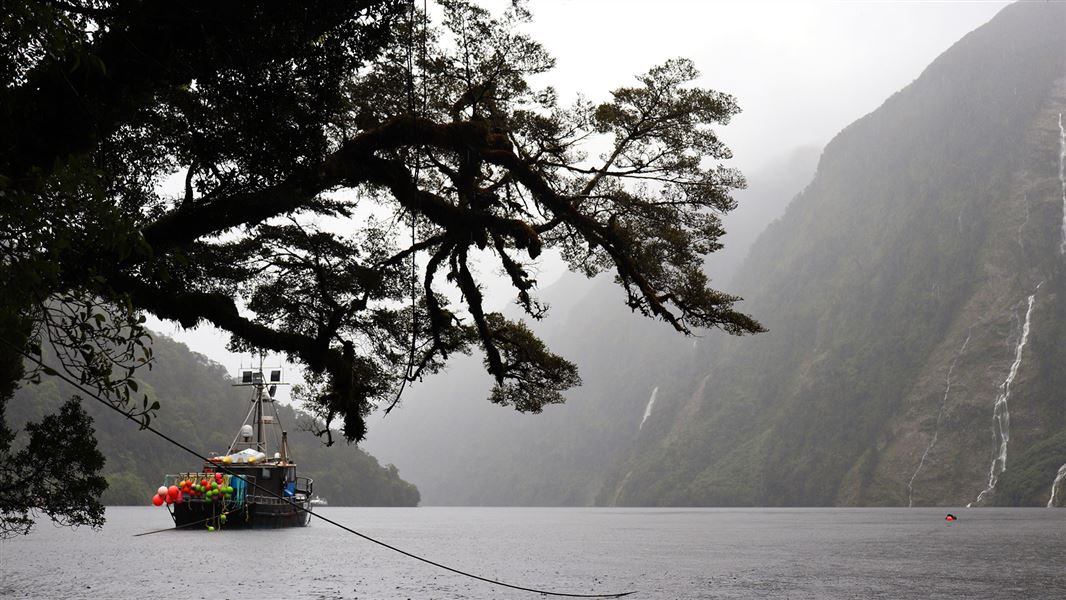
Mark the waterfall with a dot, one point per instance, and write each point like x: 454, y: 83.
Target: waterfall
x: 647, y: 409
x: 621, y: 486
x: 1062, y: 181
x: 1000, y: 410
x: 939, y: 417
x: 1062, y: 250
x: 1055, y: 484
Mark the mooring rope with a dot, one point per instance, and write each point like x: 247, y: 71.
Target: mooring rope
x: 200, y: 522
x: 268, y: 492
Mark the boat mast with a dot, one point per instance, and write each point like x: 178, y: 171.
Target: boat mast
x: 260, y: 440
x: 257, y: 379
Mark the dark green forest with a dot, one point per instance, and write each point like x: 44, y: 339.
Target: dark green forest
x: 200, y: 407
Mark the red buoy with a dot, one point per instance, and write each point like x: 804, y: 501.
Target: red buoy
x: 950, y: 517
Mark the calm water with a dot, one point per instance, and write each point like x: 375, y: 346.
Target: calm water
x: 661, y: 553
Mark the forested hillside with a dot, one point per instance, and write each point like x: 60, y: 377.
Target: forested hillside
x: 201, y: 408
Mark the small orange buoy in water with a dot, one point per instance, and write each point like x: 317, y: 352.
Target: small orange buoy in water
x: 951, y: 517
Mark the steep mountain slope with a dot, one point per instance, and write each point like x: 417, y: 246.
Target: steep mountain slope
x: 916, y: 301
x: 770, y: 189
x: 200, y: 407
x: 460, y: 449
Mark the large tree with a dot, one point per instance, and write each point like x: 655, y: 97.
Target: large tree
x: 348, y: 169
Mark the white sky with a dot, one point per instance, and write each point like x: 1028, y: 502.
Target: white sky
x: 801, y: 71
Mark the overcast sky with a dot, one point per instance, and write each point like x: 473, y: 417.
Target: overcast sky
x: 801, y: 71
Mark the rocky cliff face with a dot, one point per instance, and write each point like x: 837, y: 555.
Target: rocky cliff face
x: 916, y: 301
x: 1004, y: 397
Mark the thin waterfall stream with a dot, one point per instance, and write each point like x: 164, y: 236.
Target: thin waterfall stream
x: 939, y: 418
x: 1055, y: 485
x: 1001, y: 408
x: 647, y: 409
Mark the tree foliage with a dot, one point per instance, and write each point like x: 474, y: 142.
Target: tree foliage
x: 309, y: 136
x: 56, y: 473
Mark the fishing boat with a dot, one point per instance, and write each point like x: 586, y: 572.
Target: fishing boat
x: 248, y: 486
x: 317, y: 501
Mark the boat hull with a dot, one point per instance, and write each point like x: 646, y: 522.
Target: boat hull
x: 250, y: 516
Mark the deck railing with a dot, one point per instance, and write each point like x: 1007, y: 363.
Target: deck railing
x: 174, y: 479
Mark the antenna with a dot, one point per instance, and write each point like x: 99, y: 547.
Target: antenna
x: 259, y: 379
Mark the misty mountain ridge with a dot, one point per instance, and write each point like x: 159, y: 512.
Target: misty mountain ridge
x: 915, y: 283
x: 200, y: 407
